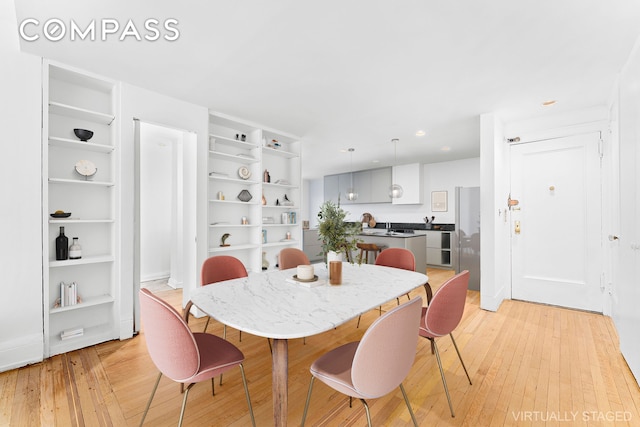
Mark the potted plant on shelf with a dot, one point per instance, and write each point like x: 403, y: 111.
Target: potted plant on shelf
x: 337, y: 235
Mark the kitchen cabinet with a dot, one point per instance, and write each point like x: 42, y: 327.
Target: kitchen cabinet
x: 380, y: 183
x: 410, y: 177
x: 311, y: 245
x: 372, y: 186
x: 253, y: 191
x: 332, y: 188
x: 439, y: 252
x: 73, y: 99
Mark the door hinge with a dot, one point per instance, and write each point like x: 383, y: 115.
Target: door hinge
x: 601, y: 148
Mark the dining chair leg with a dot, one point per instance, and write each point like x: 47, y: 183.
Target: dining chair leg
x: 246, y: 393
x: 206, y: 324
x: 366, y: 410
x: 270, y: 347
x: 460, y: 357
x: 306, y: 405
x: 184, y: 403
x: 444, y: 380
x: 155, y: 387
x: 213, y: 386
x: 406, y: 400
x: 358, y: 325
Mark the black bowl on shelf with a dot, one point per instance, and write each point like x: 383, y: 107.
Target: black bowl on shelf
x: 83, y: 134
x: 61, y: 215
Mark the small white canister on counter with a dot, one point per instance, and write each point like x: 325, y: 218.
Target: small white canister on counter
x: 305, y: 272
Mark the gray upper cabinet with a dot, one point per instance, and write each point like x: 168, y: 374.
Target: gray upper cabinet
x: 380, y: 183
x: 332, y: 188
x: 371, y: 185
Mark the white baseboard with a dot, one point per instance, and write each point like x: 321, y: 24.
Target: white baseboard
x: 21, y: 352
x: 175, y: 284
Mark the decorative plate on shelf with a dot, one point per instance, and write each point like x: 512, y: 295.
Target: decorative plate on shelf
x: 245, y: 196
x: 86, y: 168
x: 244, y: 172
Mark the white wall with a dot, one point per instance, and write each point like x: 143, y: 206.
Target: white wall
x: 444, y: 176
x: 495, y: 261
x: 156, y: 198
x: 21, y: 336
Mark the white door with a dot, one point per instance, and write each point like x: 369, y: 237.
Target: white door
x: 556, y: 226
x: 626, y: 249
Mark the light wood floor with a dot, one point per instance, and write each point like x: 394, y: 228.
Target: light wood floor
x: 531, y: 365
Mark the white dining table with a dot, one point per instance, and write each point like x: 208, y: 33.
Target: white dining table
x: 271, y: 305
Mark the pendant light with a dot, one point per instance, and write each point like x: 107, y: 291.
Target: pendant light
x: 351, y: 192
x: 395, y: 191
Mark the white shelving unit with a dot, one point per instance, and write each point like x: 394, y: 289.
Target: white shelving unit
x: 266, y: 229
x: 75, y: 99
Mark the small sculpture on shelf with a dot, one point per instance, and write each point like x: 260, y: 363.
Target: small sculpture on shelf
x: 265, y: 263
x: 223, y: 239
x: 265, y: 176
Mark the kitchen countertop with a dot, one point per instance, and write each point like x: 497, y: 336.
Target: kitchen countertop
x: 384, y: 233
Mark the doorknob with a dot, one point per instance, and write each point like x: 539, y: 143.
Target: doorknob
x: 517, y: 230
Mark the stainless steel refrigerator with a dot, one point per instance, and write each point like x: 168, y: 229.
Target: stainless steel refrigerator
x: 467, y: 245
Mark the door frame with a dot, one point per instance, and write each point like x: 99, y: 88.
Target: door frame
x: 186, y: 248
x: 602, y: 127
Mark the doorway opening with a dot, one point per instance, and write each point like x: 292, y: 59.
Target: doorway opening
x: 165, y: 208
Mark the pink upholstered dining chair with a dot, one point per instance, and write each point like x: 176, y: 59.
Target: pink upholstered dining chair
x: 182, y: 355
x: 217, y: 269
x: 442, y: 316
x: 291, y: 258
x: 375, y: 365
x: 396, y: 258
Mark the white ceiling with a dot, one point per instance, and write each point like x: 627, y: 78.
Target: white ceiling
x: 358, y: 73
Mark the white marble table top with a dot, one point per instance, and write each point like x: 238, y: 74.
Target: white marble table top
x: 267, y: 304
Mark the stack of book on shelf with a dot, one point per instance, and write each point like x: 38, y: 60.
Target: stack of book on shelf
x: 68, y: 294
x: 71, y: 333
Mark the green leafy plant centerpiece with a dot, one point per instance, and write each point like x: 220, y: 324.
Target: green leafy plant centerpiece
x: 336, y: 234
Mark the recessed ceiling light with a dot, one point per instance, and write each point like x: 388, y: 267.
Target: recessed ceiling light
x: 549, y: 103
x: 375, y: 161
x: 445, y: 148
x: 420, y: 133
x: 344, y: 150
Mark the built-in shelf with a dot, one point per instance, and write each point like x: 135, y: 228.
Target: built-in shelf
x: 279, y: 152
x: 233, y: 157
x: 80, y: 113
x: 276, y: 185
x: 72, y: 99
x: 233, y: 142
x: 279, y: 225
x: 282, y: 243
x: 229, y: 179
x: 280, y: 207
x: 233, y: 226
x: 82, y: 261
x: 86, y: 302
x: 233, y: 201
x: 80, y: 182
x: 233, y: 248
x: 54, y: 141
x: 80, y: 221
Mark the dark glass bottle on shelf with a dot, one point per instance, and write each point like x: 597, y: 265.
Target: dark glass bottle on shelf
x: 62, y: 246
